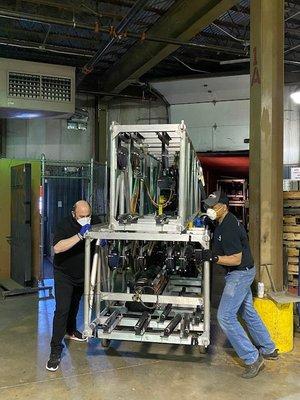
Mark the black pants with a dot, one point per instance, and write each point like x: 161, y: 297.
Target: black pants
x: 67, y: 295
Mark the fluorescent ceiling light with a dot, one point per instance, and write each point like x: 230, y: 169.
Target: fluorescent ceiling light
x: 237, y: 61
x: 295, y: 96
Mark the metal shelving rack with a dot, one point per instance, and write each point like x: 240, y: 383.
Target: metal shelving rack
x: 237, y: 192
x: 184, y: 294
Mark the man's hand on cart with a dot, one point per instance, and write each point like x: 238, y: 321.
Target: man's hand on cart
x: 103, y: 242
x: 206, y: 255
x: 84, y: 231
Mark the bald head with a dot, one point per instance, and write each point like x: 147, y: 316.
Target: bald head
x: 81, y: 209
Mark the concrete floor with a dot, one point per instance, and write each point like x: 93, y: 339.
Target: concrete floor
x: 130, y: 371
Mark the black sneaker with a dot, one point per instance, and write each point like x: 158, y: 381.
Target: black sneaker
x: 253, y: 369
x: 53, y: 362
x: 76, y: 336
x: 271, y: 356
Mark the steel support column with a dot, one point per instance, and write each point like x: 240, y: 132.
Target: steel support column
x: 3, y: 130
x: 101, y: 131
x: 266, y: 135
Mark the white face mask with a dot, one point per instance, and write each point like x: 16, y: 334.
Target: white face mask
x: 83, y: 221
x: 211, y: 213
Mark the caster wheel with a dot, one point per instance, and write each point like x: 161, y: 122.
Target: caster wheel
x: 105, y: 343
x: 202, y: 349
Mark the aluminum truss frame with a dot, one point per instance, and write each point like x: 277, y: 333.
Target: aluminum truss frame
x: 190, y: 175
x: 98, y: 291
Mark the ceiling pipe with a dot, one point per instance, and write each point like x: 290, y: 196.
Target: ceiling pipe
x: 124, y: 96
x: 119, y: 35
x: 39, y: 47
x: 84, y: 53
x: 89, y: 66
x: 247, y: 60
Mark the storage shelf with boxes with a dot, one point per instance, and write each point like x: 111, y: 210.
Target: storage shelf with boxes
x: 291, y: 236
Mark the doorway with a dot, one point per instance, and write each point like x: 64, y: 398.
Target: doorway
x: 228, y: 171
x: 63, y: 183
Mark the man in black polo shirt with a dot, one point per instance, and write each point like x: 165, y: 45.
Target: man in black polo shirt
x: 231, y: 250
x: 68, y: 278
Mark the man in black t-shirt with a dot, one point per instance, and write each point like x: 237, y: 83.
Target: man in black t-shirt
x: 68, y: 277
x: 231, y: 250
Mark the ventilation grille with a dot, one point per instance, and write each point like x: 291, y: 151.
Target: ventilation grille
x: 39, y: 87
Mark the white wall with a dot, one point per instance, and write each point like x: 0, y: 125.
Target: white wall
x: 137, y: 112
x: 217, y: 113
x: 215, y: 110
x: 28, y: 139
x: 32, y: 137
x: 291, y: 145
x: 196, y: 90
x: 222, y: 126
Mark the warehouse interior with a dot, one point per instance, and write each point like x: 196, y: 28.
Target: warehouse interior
x: 70, y: 72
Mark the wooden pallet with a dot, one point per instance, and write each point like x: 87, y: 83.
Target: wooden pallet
x: 291, y: 203
x: 289, y: 210
x: 291, y: 234
x: 292, y: 244
x: 293, y: 269
x: 291, y: 228
x: 291, y: 195
x: 292, y: 252
x: 293, y: 260
x: 293, y: 279
x: 291, y: 220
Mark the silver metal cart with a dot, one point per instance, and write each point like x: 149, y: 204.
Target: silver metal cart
x: 146, y: 281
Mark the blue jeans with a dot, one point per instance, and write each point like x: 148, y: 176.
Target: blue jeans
x: 237, y: 299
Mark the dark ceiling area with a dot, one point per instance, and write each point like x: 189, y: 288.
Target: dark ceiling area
x: 103, y: 39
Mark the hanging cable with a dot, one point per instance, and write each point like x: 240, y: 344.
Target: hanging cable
x: 190, y: 68
x: 156, y: 205
x: 245, y: 42
x: 292, y: 16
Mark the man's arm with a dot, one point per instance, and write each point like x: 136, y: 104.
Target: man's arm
x: 66, y: 244
x: 230, y: 261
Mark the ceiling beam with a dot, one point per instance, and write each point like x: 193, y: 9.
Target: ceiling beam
x: 183, y: 21
x: 224, y: 38
x: 129, y: 4
x: 80, y: 13
x: 246, y: 10
x: 148, y: 37
x: 241, y: 9
x: 230, y: 25
x: 81, y: 23
x: 72, y: 8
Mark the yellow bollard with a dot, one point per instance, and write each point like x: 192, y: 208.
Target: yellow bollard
x: 278, y: 319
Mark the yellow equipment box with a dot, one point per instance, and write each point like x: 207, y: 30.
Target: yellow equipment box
x: 278, y: 319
